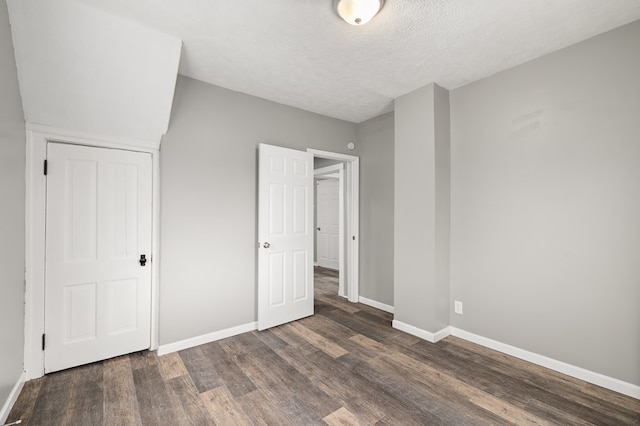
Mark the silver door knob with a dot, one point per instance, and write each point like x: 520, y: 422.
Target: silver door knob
x: 266, y: 245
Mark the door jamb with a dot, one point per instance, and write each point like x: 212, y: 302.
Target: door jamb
x: 352, y: 225
x: 35, y: 206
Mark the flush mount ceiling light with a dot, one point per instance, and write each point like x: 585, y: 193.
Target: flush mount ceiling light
x: 357, y: 12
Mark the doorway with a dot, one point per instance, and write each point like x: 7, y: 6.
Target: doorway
x: 344, y: 168
x: 286, y: 233
x: 329, y: 244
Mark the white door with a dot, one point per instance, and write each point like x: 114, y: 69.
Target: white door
x: 285, y: 235
x: 97, y: 290
x: 328, y: 216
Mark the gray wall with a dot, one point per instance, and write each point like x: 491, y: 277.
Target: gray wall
x: 324, y: 162
x: 442, y: 207
x: 414, y: 192
x: 375, y: 141
x: 12, y: 172
x: 421, y: 222
x: 546, y: 205
x: 208, y: 201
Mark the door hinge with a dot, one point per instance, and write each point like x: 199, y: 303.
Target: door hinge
x: 353, y: 237
x: 45, y: 167
x: 43, y: 341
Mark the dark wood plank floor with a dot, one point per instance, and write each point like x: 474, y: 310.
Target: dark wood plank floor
x: 343, y: 366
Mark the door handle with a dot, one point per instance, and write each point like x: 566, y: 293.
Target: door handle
x: 143, y: 260
x: 266, y: 245
x: 318, y: 228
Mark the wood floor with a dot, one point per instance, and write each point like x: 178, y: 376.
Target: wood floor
x: 343, y: 366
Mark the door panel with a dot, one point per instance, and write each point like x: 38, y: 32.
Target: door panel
x: 276, y: 279
x: 300, y: 268
x: 80, y: 315
x: 300, y: 210
x: 121, y: 220
x: 122, y: 303
x: 81, y: 203
x: 97, y: 295
x: 285, y: 222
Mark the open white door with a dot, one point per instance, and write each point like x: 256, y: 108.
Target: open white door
x: 98, y: 285
x: 285, y: 232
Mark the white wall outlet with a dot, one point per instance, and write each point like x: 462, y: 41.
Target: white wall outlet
x: 457, y: 306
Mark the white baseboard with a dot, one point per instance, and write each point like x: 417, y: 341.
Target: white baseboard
x: 599, y: 379
x: 423, y: 334
x: 13, y: 397
x: 376, y: 304
x: 206, y: 338
x: 611, y: 383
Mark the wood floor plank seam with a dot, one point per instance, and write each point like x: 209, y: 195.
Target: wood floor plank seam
x: 345, y: 365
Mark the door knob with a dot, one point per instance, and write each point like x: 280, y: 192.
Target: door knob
x: 266, y: 245
x: 143, y: 260
x: 318, y: 228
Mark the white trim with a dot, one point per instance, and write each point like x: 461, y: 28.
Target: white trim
x: 352, y: 228
x: 155, y: 251
x: 35, y: 206
x: 34, y: 255
x: 562, y: 367
x: 328, y: 170
x: 12, y: 398
x: 81, y: 138
x: 332, y: 155
x: 376, y: 304
x: 342, y: 291
x: 423, y: 334
x: 206, y: 338
x: 353, y: 224
x: 329, y: 176
x: 598, y: 379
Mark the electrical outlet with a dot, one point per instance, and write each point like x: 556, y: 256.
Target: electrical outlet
x: 457, y: 306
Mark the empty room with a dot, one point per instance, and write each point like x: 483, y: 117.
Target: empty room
x: 343, y: 212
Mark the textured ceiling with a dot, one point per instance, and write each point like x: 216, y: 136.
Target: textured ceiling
x: 299, y: 53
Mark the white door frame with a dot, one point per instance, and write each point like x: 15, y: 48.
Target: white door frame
x: 336, y: 172
x: 35, y: 205
x: 352, y: 225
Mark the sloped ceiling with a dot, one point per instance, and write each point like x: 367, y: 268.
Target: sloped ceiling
x: 299, y: 53
x: 84, y: 70
x: 109, y: 66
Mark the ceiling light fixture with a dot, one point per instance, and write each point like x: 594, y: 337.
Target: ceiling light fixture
x: 357, y: 12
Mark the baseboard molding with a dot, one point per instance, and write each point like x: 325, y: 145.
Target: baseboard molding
x: 598, y: 379
x: 611, y: 383
x: 376, y: 304
x: 423, y: 334
x: 206, y: 338
x: 13, y: 397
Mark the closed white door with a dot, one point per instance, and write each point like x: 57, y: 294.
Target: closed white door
x: 328, y: 221
x: 285, y: 235
x: 97, y: 286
